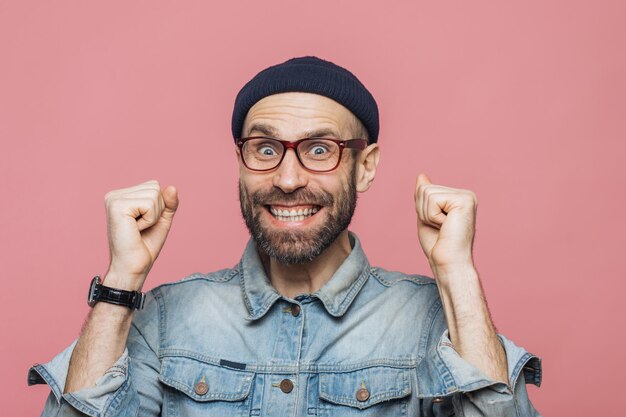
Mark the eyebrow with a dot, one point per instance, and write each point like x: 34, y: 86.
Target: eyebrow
x: 319, y: 133
x: 264, y: 129
x: 268, y: 130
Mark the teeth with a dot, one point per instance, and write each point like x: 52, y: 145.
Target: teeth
x: 293, y: 215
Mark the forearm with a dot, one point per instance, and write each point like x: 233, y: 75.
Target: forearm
x: 138, y: 221
x: 471, y: 330
x: 120, y: 357
x: 101, y: 343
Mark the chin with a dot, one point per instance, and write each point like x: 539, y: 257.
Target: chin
x: 293, y: 245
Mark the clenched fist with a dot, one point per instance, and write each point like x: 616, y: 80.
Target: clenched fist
x: 446, y: 219
x: 138, y: 221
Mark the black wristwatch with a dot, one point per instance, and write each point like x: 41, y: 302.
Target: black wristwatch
x: 99, y: 292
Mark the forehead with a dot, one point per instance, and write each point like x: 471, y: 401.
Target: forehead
x: 298, y: 114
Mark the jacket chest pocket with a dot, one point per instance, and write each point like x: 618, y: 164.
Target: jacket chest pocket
x: 196, y: 388
x: 376, y: 391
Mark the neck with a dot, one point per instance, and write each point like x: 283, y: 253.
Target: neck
x: 293, y: 280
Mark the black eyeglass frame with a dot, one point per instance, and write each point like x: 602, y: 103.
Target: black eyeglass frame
x: 356, y: 143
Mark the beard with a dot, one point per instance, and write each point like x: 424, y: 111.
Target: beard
x: 292, y: 247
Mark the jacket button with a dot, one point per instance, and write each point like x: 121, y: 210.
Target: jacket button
x: 362, y: 394
x: 201, y: 388
x: 286, y: 386
x: 295, y: 310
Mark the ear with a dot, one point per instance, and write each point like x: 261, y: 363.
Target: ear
x: 366, y: 167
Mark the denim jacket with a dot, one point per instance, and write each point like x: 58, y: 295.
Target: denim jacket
x: 370, y: 342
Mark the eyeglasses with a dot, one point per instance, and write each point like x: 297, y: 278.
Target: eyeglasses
x: 260, y: 153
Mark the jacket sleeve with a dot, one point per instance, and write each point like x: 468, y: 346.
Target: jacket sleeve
x: 451, y: 386
x: 128, y: 388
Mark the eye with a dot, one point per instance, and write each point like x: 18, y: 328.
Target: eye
x: 318, y: 150
x: 267, y: 150
x: 317, y: 147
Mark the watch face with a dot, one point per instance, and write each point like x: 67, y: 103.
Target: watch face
x: 93, y: 291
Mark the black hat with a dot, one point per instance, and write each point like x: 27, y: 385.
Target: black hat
x: 309, y: 75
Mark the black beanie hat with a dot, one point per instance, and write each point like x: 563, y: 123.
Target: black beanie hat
x: 309, y: 75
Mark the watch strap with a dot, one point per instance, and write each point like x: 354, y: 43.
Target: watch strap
x: 99, y: 292
x: 130, y: 299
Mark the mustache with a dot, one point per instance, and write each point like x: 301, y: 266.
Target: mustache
x: 299, y: 196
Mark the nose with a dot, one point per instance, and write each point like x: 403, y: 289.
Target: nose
x: 290, y: 174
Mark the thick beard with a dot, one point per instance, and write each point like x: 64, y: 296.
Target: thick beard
x: 297, y: 247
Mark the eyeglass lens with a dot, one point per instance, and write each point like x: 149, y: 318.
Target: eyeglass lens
x: 315, y: 154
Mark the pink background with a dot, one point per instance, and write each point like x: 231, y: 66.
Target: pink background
x: 522, y: 103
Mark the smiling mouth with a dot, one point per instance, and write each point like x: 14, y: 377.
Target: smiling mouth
x: 295, y: 214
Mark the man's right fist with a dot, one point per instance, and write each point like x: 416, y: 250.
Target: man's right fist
x: 138, y: 220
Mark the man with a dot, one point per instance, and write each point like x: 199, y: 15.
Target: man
x: 302, y: 326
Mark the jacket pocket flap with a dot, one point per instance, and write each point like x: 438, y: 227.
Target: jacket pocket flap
x: 204, y: 381
x: 365, y: 387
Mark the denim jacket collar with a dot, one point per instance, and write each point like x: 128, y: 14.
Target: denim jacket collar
x: 336, y: 295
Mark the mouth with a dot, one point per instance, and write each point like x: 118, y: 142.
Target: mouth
x: 292, y: 214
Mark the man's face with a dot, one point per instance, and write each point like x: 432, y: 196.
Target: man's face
x: 327, y: 200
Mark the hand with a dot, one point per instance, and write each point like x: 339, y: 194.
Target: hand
x: 138, y: 221
x: 446, y: 219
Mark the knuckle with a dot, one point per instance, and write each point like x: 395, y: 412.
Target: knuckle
x: 109, y: 196
x: 113, y: 204
x: 108, y: 200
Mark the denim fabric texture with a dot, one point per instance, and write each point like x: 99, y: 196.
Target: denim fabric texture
x: 370, y: 342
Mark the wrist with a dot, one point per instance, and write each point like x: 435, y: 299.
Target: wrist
x: 99, y: 292
x: 123, y: 282
x: 451, y: 270
x: 458, y: 284
x: 112, y: 313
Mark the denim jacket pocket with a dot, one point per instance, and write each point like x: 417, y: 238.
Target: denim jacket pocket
x: 204, y: 389
x: 374, y: 391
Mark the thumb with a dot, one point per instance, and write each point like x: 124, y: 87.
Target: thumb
x: 170, y: 200
x: 422, y: 179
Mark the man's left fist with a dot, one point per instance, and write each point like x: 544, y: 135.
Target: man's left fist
x: 446, y: 219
